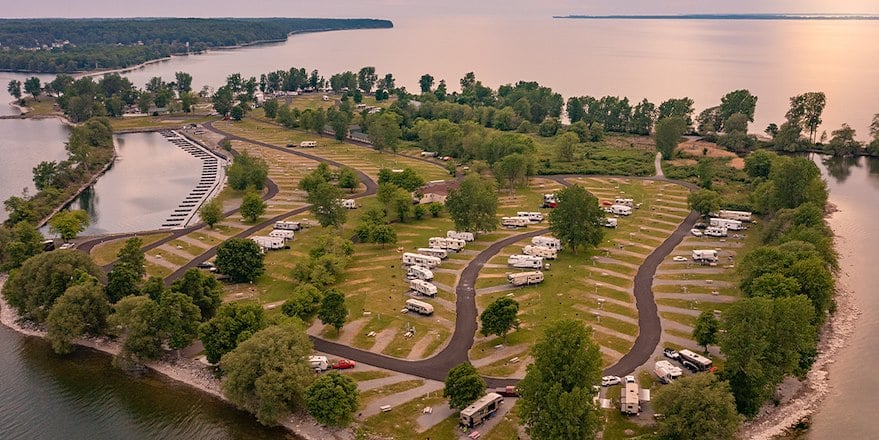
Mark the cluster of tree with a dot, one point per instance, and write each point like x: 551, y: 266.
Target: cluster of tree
x: 470, y: 141
x: 577, y: 221
x: 407, y: 179
x: 325, y: 263
x: 324, y: 189
x: 374, y: 227
x: 89, y: 44
x: 618, y: 115
x: 728, y: 122
x: 236, y: 97
x: 241, y: 259
x: 500, y: 317
x: 18, y: 243
x: 473, y: 206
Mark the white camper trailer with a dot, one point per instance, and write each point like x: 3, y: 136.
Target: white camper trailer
x: 666, y: 371
x: 533, y: 216
x: 319, y: 363
x: 733, y: 225
x: 442, y: 254
x: 308, y: 144
x: 705, y: 255
x: 630, y: 398
x: 620, y: 210
x: 348, y: 203
x: 420, y: 307
x: 625, y: 202
x: 421, y: 273
x: 481, y: 410
x: 525, y: 278
x: 549, y: 242
x: 515, y: 222
x: 269, y: 243
x: 550, y: 201
x: 540, y: 251
x: 286, y: 234
x: 288, y: 226
x: 715, y: 231
x: 466, y: 236
x: 694, y: 361
x: 452, y: 244
x: 410, y: 259
x: 742, y: 216
x: 610, y: 222
x: 525, y: 262
x: 423, y: 288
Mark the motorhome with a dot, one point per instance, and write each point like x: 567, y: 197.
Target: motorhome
x: 419, y: 272
x: 423, y: 288
x: 620, y: 209
x: 525, y: 278
x: 533, y: 216
x: 625, y: 202
x: 550, y: 242
x: 550, y: 201
x: 666, y: 372
x: 289, y: 226
x: 428, y: 154
x: 270, y: 243
x: 525, y: 261
x: 630, y: 398
x: 420, y: 307
x: 410, y: 259
x: 694, y: 361
x: 742, y: 216
x: 704, y: 255
x: 442, y: 254
x: 540, y: 251
x: 319, y: 363
x: 715, y: 231
x: 308, y: 144
x: 452, y: 244
x: 610, y: 222
x: 733, y: 225
x: 466, y: 236
x: 286, y: 234
x: 348, y: 203
x: 515, y: 222
x: 481, y: 410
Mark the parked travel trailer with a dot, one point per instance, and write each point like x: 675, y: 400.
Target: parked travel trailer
x: 515, y: 222
x: 423, y: 288
x: 348, y: 203
x: 289, y: 226
x: 271, y: 243
x: 428, y: 154
x: 625, y: 202
x: 525, y: 262
x: 733, y: 225
x: 442, y: 254
x: 452, y: 244
x: 466, y: 236
x: 525, y: 278
x: 610, y: 222
x: 550, y: 201
x: 630, y: 399
x: 620, y: 209
x: 286, y: 234
x: 694, y: 361
x: 419, y: 272
x: 540, y: 251
x: 319, y: 363
x: 715, y: 231
x: 481, y: 410
x: 742, y: 216
x: 666, y: 372
x: 550, y: 242
x: 704, y: 255
x: 308, y: 144
x: 420, y: 307
x: 533, y: 216
x: 410, y: 259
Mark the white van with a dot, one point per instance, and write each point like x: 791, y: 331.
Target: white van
x: 319, y: 363
x: 421, y: 273
x: 452, y: 244
x: 704, y: 255
x: 533, y: 216
x: 270, y: 243
x: 540, y: 251
x: 423, y: 288
x: 525, y: 261
x: 549, y: 242
x: 308, y: 144
x: 288, y: 226
x: 286, y: 234
x: 410, y: 259
x: 525, y: 278
x: 733, y: 225
x: 348, y: 203
x: 466, y: 236
x: 625, y: 202
x: 715, y: 231
x: 742, y: 216
x: 620, y: 210
x: 442, y: 254
x: 610, y: 222
x: 420, y: 307
x: 515, y: 222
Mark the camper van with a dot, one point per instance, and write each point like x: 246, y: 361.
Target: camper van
x: 666, y: 372
x: 742, y: 216
x: 715, y: 231
x: 550, y: 201
x: 319, y: 363
x: 540, y: 251
x: 308, y: 144
x: 694, y: 361
x: 410, y: 259
x: 533, y: 216
x: 442, y: 254
x: 282, y: 233
x: 609, y: 222
x: 288, y: 226
x: 423, y: 288
x: 525, y: 278
x: 620, y: 209
x: 733, y: 225
x: 348, y: 203
x: 421, y: 273
x: 704, y: 255
x: 630, y: 398
x: 419, y: 307
x: 549, y: 242
x: 625, y: 202
x: 270, y: 243
x: 515, y: 222
x: 481, y: 410
x: 452, y: 244
x: 525, y: 262
x: 466, y: 236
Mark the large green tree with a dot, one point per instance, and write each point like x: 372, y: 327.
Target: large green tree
x: 697, y: 407
x: 805, y: 111
x: 14, y: 88
x: 304, y: 302
x: 513, y: 170
x: 566, y: 146
x: 473, y: 206
x: 247, y: 171
x: 68, y: 224
x: 577, y: 219
x: 499, y: 317
x: 704, y: 201
x: 325, y: 206
x: 82, y: 309
x: 241, y: 259
x: 667, y: 135
x: 463, y: 386
x: 233, y: 324
x: 384, y: 131
x: 211, y: 213
x: 132, y: 255
x: 332, y: 399
x: 19, y: 243
x: 706, y: 328
x: 252, y: 207
x: 204, y: 290
x: 738, y: 101
x: 333, y: 310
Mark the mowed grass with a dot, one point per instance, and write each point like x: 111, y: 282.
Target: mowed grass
x: 401, y: 421
x: 174, y: 121
x: 105, y: 253
x: 387, y: 390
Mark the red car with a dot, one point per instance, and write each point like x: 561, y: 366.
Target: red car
x: 343, y: 364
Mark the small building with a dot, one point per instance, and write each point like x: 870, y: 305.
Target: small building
x: 436, y: 192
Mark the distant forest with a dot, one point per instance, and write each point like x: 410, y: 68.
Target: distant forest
x: 38, y: 45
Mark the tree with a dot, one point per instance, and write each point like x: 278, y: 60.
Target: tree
x: 222, y: 100
x: 304, y: 302
x: 366, y: 79
x: 241, y: 259
x: 383, y: 235
x: 132, y: 255
x: 709, y: 121
x: 759, y: 163
x: 44, y: 174
x: 138, y: 320
x: 705, y: 172
x: 211, y: 213
x: 463, y: 386
x: 705, y: 331
x: 512, y: 169
x: 270, y: 107
x: 789, y: 137
x: 704, y: 201
x: 736, y: 123
x: 238, y: 112
x: 794, y: 182
x: 252, y: 207
x: 325, y: 205
x: 677, y: 107
x: 396, y: 200
x: 566, y: 146
x: 19, y: 243
x: 204, y: 290
x: 332, y: 399
x: 384, y: 131
x: 333, y: 310
x: 248, y: 171
x: 577, y: 219
x: 180, y: 319
x: 68, y: 224
x: 739, y: 101
x: 556, y: 397
x: 408, y: 179
x: 14, y: 88
x: 33, y: 86
x: 668, y: 134
x: 805, y: 111
x: 473, y: 206
x: 122, y: 281
x: 347, y: 179
x: 268, y: 373
x: 184, y: 82
x: 697, y: 406
x: 82, y: 309
x: 234, y: 323
x: 843, y: 142
x: 426, y: 83
x: 499, y: 317
x: 549, y: 127
x: 340, y: 121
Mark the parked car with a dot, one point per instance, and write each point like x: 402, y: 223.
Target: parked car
x: 67, y: 246
x: 696, y: 232
x: 343, y: 364
x: 629, y: 379
x: 680, y: 259
x: 508, y: 391
x: 671, y: 354
x: 608, y: 381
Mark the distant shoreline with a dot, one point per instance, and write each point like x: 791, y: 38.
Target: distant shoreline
x: 766, y: 17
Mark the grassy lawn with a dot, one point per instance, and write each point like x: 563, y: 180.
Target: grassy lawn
x: 615, y: 425
x: 154, y: 270
x: 506, y: 429
x: 156, y: 122
x: 614, y: 155
x: 362, y: 376
x: 387, y: 390
x: 400, y: 422
x: 105, y: 253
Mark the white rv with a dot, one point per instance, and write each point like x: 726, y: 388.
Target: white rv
x: 666, y: 371
x: 705, y: 255
x: 550, y: 242
x: 715, y: 231
x: 286, y: 234
x: 481, y: 410
x: 630, y: 398
x: 452, y: 244
x: 442, y: 254
x: 288, y: 226
x: 420, y: 307
x: 533, y: 216
x: 466, y: 236
x: 733, y: 225
x: 428, y: 154
x: 308, y: 144
x: 348, y: 203
x: 423, y: 288
x: 694, y: 361
x: 319, y: 363
x: 742, y: 216
x: 550, y: 201
x: 540, y: 251
x: 515, y: 222
x: 610, y: 222
x: 410, y: 259
x: 525, y: 262
x: 270, y: 243
x: 421, y: 273
x: 525, y: 278
x: 625, y: 202
x: 620, y: 210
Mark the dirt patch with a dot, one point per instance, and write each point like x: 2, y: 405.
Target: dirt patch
x: 710, y: 149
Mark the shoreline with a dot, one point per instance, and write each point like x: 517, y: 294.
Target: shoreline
x: 186, y: 371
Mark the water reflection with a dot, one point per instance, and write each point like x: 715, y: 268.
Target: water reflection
x: 840, y: 168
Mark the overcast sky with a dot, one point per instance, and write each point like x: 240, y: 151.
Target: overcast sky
x: 408, y: 8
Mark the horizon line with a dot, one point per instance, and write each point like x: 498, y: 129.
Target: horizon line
x: 729, y: 16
